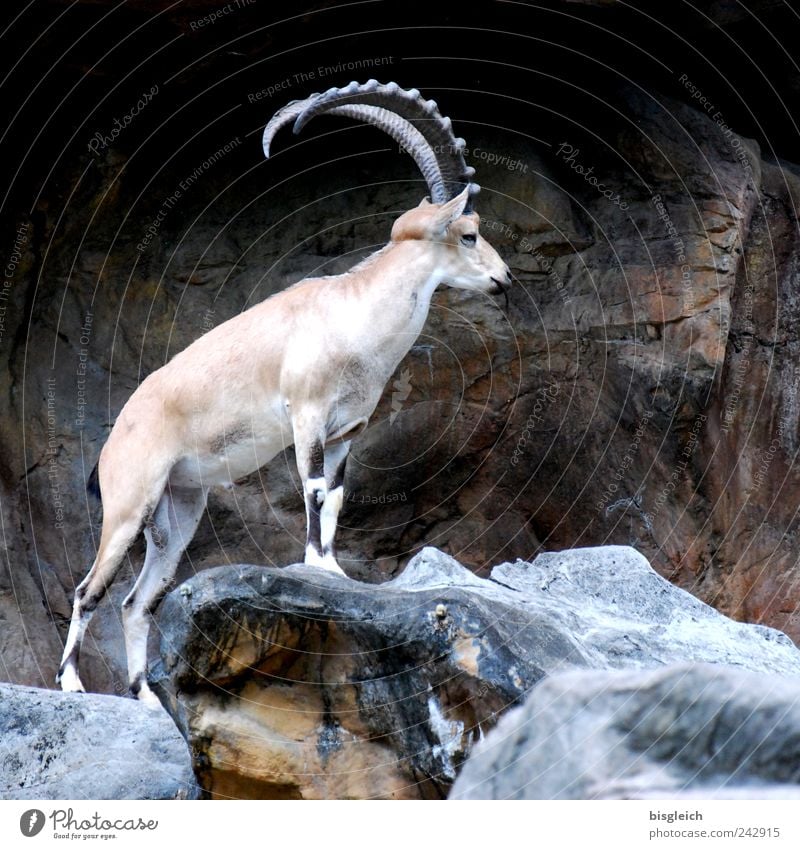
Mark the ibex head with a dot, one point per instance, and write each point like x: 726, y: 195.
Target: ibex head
x: 464, y: 258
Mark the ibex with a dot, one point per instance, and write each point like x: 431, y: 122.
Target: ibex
x: 306, y: 366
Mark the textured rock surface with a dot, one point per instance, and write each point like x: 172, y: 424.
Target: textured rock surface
x: 688, y: 731
x: 294, y: 683
x: 642, y: 391
x: 71, y: 746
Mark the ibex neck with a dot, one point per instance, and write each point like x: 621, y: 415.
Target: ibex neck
x: 407, y: 267
x: 398, y: 283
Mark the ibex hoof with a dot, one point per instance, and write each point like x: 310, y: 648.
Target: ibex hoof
x: 324, y: 561
x: 69, y: 680
x: 145, y: 695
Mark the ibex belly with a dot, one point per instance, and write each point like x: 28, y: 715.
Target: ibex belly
x: 234, y: 452
x: 230, y: 464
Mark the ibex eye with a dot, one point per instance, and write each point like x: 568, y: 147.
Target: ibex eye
x: 469, y: 239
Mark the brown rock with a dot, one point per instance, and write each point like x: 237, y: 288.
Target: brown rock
x: 666, y: 333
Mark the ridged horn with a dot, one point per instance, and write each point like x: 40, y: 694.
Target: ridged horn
x: 411, y: 121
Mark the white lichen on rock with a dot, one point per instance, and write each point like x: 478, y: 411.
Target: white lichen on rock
x: 449, y: 733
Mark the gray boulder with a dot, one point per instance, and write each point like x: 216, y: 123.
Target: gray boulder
x: 81, y: 746
x: 296, y: 683
x: 623, y: 614
x: 687, y: 731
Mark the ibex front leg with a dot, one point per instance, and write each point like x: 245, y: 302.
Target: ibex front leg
x: 309, y: 447
x: 335, y: 462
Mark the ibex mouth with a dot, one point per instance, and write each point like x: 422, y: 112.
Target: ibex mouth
x: 501, y: 289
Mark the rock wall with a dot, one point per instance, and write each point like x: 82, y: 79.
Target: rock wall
x: 641, y: 390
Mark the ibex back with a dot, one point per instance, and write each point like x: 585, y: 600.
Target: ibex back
x: 305, y: 367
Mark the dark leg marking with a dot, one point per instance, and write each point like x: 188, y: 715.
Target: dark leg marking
x: 338, y: 475
x: 316, y: 460
x: 336, y: 481
x: 316, y: 497
x: 88, y: 602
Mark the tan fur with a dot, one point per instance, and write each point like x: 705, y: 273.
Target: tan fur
x: 308, y: 364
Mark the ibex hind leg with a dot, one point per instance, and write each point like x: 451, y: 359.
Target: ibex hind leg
x: 168, y: 532
x: 115, y: 540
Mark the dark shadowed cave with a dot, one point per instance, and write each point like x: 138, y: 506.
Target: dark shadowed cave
x: 642, y: 389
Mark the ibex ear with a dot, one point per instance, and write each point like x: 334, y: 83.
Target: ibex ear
x: 424, y: 202
x: 449, y: 211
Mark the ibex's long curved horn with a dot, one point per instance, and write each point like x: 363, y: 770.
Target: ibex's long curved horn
x: 398, y: 128
x: 413, y: 122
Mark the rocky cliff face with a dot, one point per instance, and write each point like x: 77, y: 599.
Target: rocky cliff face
x: 294, y: 683
x: 642, y: 389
